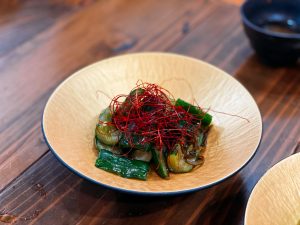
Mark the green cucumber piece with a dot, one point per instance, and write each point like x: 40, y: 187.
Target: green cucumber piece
x: 136, y: 143
x: 122, y: 166
x: 114, y: 149
x: 159, y: 160
x: 205, y: 117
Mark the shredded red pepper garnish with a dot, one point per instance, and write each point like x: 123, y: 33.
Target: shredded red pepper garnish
x: 149, y: 112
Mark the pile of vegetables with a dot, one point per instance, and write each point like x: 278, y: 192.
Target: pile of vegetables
x: 149, y: 127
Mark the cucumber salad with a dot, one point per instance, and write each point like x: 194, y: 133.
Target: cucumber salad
x: 150, y: 129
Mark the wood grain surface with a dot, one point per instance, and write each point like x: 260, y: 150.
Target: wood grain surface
x: 43, y: 42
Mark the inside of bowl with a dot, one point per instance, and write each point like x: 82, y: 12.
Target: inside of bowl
x: 278, y: 16
x: 276, y: 199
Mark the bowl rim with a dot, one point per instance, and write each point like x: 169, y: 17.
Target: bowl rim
x: 147, y: 193
x: 261, y: 30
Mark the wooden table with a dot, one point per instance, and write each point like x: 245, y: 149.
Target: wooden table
x: 43, y: 42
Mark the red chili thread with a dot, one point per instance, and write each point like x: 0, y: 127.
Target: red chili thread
x: 148, y: 112
x: 229, y: 114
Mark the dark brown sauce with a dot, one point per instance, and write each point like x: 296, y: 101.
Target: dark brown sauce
x: 280, y: 28
x: 286, y: 26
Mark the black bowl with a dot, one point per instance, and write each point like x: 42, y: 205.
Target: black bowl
x: 273, y: 27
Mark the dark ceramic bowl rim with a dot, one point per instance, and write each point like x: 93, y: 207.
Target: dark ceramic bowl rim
x: 262, y: 30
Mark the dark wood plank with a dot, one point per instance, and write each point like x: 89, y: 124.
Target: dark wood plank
x: 21, y: 21
x: 69, y: 200
x: 51, y: 58
x: 221, y: 47
x: 47, y: 193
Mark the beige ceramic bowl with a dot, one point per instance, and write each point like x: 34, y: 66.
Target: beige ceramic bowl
x: 71, y: 114
x: 275, y: 200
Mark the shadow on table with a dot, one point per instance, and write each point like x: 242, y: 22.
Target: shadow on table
x: 228, y: 204
x: 123, y: 205
x: 221, y: 204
